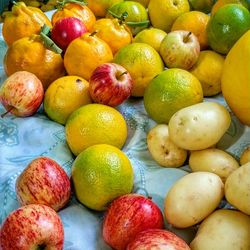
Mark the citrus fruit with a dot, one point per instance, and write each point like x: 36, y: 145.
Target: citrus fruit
x: 100, y: 174
x: 100, y: 7
x: 65, y: 95
x: 142, y: 62
x: 235, y: 81
x: 163, y: 13
x: 196, y: 22
x: 142, y: 2
x: 218, y: 4
x: 136, y: 18
x: 79, y: 11
x: 94, y: 124
x: 23, y: 21
x: 84, y: 54
x: 202, y: 5
x: 208, y: 70
x: 115, y: 33
x: 30, y: 54
x: 151, y: 36
x: 170, y: 91
x: 226, y: 26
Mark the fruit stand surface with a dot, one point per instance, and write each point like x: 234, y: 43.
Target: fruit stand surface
x: 23, y: 139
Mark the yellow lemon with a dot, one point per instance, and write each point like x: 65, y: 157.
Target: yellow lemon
x: 170, y: 91
x: 163, y: 13
x: 65, y: 95
x: 100, y: 174
x: 151, y: 36
x: 95, y: 124
x: 142, y: 62
x: 235, y: 81
x: 208, y: 69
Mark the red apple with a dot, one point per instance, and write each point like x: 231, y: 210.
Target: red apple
x: 127, y: 216
x: 180, y: 49
x: 32, y: 227
x: 43, y: 181
x: 66, y: 30
x: 110, y: 84
x: 157, y: 239
x: 21, y: 94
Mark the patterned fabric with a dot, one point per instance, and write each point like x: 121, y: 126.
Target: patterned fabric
x: 22, y: 139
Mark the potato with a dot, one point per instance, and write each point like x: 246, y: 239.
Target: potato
x: 223, y: 230
x: 192, y: 198
x: 237, y: 188
x: 199, y: 126
x: 213, y: 160
x: 162, y: 149
x: 245, y: 156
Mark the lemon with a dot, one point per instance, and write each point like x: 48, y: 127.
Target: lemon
x: 100, y: 174
x: 170, y: 91
x: 65, y: 95
x: 151, y: 36
x: 142, y: 2
x: 163, y: 13
x: 208, y: 69
x: 235, y: 81
x: 142, y: 62
x: 95, y: 124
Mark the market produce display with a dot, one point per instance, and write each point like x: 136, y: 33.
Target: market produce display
x: 125, y: 125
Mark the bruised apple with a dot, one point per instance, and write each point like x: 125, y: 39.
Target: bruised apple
x: 157, y: 239
x: 127, y: 216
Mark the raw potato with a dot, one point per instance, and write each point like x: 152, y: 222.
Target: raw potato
x: 192, y: 198
x: 199, y: 126
x: 213, y: 160
x: 245, y: 156
x: 223, y: 230
x: 237, y: 188
x: 162, y: 149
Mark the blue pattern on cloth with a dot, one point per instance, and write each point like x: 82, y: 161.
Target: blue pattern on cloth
x: 23, y: 139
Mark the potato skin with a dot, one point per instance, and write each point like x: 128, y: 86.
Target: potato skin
x: 237, y: 188
x: 199, y: 126
x: 192, y: 198
x: 213, y: 160
x: 245, y: 156
x: 223, y: 229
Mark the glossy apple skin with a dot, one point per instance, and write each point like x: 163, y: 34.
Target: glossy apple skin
x: 30, y: 226
x: 127, y: 216
x: 66, y: 30
x: 22, y: 93
x: 110, y: 84
x: 43, y: 181
x: 181, y: 49
x: 155, y: 239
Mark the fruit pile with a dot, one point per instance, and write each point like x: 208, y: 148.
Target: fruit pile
x: 80, y: 66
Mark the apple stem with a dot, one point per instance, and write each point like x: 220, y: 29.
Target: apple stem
x: 185, y: 39
x: 5, y: 113
x: 93, y: 33
x: 123, y: 73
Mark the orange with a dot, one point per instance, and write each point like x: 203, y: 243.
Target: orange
x: 30, y: 54
x: 81, y: 12
x: 151, y: 36
x: 235, y: 81
x: 221, y: 3
x: 23, y: 21
x: 142, y: 62
x: 84, y: 54
x: 94, y: 124
x: 226, y: 26
x: 100, y: 7
x: 115, y: 33
x: 163, y: 13
x: 208, y: 70
x: 65, y: 95
x: 170, y: 91
x: 201, y: 5
x: 100, y: 174
x: 196, y: 22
